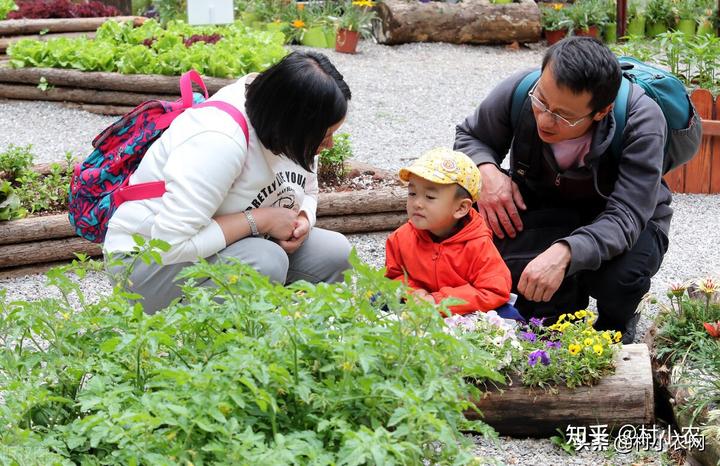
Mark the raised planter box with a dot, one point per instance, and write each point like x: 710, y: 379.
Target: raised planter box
x: 13, y: 30
x: 466, y: 22
x: 626, y: 397
x: 33, y: 244
x: 702, y: 174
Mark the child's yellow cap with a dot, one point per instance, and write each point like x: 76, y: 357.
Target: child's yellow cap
x: 445, y: 166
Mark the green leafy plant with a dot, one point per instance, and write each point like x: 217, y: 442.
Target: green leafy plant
x: 635, y: 9
x: 685, y: 9
x: 10, y: 208
x: 331, y: 162
x: 6, y: 6
x: 587, y: 13
x: 561, y: 442
x: 659, y: 11
x: 46, y: 192
x: 152, y: 49
x: 554, y: 17
x: 15, y: 161
x: 357, y: 16
x: 242, y: 372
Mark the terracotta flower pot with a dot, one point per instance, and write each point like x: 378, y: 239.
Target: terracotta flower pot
x: 591, y: 31
x: 346, y: 41
x: 555, y: 36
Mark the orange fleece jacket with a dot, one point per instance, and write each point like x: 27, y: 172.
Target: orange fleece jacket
x: 466, y: 266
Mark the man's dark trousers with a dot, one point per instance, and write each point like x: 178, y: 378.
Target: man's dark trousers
x: 618, y: 285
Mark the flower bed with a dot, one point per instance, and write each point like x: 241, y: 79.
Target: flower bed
x: 685, y: 344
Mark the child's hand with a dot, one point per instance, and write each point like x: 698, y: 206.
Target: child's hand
x: 423, y: 295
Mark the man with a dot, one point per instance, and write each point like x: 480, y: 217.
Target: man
x: 573, y: 220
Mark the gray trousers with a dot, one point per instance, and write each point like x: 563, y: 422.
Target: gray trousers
x: 323, y: 257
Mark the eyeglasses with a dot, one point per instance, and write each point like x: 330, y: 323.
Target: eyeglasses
x: 542, y: 108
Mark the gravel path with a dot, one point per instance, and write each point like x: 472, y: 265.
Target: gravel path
x: 406, y: 99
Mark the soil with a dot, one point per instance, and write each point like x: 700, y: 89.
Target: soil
x: 357, y: 180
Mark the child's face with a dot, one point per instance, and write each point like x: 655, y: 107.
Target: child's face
x: 433, y: 206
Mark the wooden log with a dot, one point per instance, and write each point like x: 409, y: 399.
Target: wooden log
x: 362, y: 223
x: 39, y: 228
x: 12, y: 27
x: 24, y: 92
x: 391, y: 199
x: 111, y: 110
x: 625, y: 397
x: 98, y: 80
x: 6, y: 42
x: 13, y: 255
x: 467, y: 22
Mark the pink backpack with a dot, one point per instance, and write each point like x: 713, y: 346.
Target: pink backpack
x: 100, y: 184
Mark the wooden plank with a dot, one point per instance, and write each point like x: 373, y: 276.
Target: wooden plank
x: 36, y: 229
x: 626, y: 397
x: 711, y: 127
x: 104, y: 81
x: 697, y: 171
x: 12, y: 255
x: 676, y: 179
x: 11, y: 27
x: 24, y: 92
x: 715, y: 155
x: 6, y: 42
x: 393, y: 199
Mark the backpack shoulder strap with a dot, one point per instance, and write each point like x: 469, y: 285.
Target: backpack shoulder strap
x: 620, y: 113
x: 233, y: 112
x: 520, y: 94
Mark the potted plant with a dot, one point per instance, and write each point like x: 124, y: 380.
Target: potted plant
x: 635, y: 19
x: 587, y: 17
x: 686, y: 14
x: 610, y: 27
x: 555, y: 21
x: 706, y: 22
x: 354, y: 20
x: 659, y: 15
x: 331, y: 162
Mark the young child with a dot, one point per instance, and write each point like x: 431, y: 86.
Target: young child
x: 446, y: 249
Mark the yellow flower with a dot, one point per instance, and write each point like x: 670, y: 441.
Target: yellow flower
x: 574, y: 348
x: 555, y: 326
x: 618, y: 337
x: 300, y: 6
x: 564, y: 326
x: 557, y: 6
x: 367, y: 3
x: 232, y: 279
x: 298, y: 23
x: 297, y: 315
x: 708, y: 286
x: 347, y: 366
x: 606, y: 336
x: 561, y: 318
x: 581, y: 313
x: 598, y: 349
x: 588, y: 342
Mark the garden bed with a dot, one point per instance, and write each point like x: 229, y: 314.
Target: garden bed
x: 34, y: 244
x: 625, y: 397
x: 467, y: 22
x: 96, y: 91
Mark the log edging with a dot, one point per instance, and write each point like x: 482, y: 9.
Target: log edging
x: 14, y: 27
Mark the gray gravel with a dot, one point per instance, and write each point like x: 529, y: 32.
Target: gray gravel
x: 406, y: 99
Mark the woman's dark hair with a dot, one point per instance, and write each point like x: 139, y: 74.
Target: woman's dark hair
x: 292, y: 104
x: 585, y: 64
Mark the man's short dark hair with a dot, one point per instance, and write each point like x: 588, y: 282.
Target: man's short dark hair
x: 585, y: 64
x: 292, y: 104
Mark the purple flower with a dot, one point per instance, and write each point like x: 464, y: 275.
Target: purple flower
x: 529, y: 336
x: 540, y: 355
x: 553, y: 344
x: 537, y: 322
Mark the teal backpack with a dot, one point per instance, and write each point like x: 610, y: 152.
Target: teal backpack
x: 684, y: 129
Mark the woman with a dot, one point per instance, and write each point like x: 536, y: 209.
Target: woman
x: 227, y: 198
